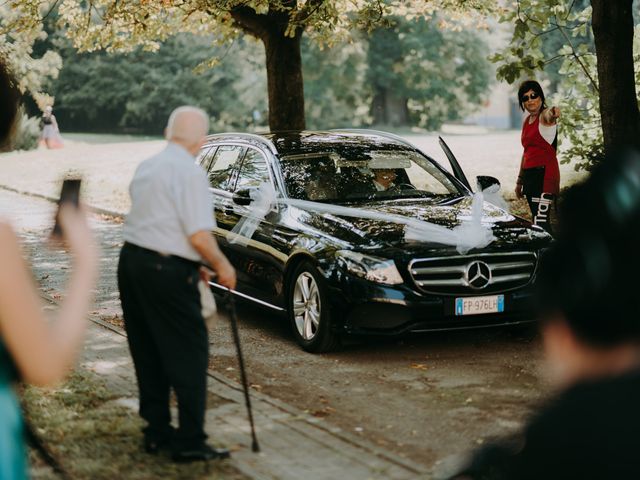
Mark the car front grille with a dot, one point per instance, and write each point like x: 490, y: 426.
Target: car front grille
x: 473, y: 274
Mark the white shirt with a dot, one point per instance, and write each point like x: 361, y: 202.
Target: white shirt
x: 548, y: 132
x: 382, y: 188
x: 170, y: 201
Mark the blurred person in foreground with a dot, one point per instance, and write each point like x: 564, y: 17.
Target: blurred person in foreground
x: 32, y: 349
x: 590, y: 322
x: 167, y: 238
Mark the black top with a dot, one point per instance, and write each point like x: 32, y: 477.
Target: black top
x: 591, y: 431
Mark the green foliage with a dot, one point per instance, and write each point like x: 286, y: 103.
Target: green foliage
x: 120, y: 26
x: 137, y: 91
x: 20, y: 29
x: 93, y: 88
x: 555, y: 36
x: 442, y: 74
x: 27, y: 133
x: 336, y: 94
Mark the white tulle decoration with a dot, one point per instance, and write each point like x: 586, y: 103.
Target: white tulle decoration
x: 492, y: 195
x: 263, y: 200
x: 466, y: 236
x: 472, y: 233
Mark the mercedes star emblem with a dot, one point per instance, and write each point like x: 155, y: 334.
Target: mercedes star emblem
x: 477, y: 275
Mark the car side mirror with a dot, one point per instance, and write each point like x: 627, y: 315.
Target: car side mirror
x: 242, y: 197
x: 484, y: 181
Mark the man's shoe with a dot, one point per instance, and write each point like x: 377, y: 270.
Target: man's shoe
x: 154, y: 445
x: 157, y: 439
x: 199, y: 454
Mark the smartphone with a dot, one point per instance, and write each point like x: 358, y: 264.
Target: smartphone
x: 70, y: 193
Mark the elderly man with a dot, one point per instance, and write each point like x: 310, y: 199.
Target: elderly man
x: 167, y: 238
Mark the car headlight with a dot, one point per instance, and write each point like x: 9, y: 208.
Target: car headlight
x: 376, y: 269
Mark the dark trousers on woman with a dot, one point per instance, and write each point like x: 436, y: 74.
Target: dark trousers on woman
x: 541, y: 203
x: 168, y: 342
x: 541, y: 208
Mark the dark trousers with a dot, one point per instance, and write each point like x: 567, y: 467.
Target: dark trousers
x: 542, y: 207
x: 541, y: 203
x: 168, y: 341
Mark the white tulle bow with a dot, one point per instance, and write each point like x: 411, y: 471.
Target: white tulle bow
x: 263, y: 199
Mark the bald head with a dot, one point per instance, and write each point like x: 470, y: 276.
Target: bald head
x: 187, y: 126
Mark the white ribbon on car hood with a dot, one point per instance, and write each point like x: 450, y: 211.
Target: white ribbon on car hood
x: 469, y: 234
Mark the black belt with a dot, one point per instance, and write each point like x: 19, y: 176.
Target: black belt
x: 147, y: 251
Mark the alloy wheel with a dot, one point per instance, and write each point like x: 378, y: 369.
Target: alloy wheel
x: 306, y: 306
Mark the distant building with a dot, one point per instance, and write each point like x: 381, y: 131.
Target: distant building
x: 500, y: 110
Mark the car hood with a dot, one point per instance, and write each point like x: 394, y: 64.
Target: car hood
x: 367, y: 234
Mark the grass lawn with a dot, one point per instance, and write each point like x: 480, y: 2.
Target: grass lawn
x: 108, y: 137
x: 95, y: 437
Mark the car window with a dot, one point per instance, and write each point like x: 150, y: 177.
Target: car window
x: 253, y: 172
x: 222, y: 167
x: 363, y: 173
x: 428, y: 179
x: 205, y: 156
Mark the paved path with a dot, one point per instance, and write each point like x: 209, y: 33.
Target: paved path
x: 294, y: 444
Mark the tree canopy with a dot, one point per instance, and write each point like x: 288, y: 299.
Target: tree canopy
x: 278, y: 24
x: 437, y: 75
x: 21, y: 25
x: 429, y: 74
x: 135, y: 92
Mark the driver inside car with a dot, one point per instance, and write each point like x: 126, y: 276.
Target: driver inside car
x: 384, y: 179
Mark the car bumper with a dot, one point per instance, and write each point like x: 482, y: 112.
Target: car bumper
x: 368, y: 309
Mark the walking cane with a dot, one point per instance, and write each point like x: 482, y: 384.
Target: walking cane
x: 243, y: 375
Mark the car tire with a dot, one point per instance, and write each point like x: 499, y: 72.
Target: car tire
x: 309, y: 311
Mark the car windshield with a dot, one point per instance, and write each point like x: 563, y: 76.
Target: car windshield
x: 363, y: 174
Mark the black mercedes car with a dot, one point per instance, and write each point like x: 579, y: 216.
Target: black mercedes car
x: 323, y: 236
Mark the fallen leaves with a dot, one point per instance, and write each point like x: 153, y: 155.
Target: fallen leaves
x: 323, y: 412
x: 418, y: 366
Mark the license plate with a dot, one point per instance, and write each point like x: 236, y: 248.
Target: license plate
x: 479, y: 305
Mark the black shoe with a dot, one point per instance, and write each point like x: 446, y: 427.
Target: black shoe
x: 199, y: 454
x: 154, y: 445
x: 156, y: 439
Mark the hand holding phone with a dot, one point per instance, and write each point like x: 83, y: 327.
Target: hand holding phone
x: 70, y: 193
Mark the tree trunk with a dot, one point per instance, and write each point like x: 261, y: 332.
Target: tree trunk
x: 389, y: 109
x: 284, y: 81
x: 613, y: 35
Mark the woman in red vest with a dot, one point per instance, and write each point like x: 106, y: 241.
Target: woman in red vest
x: 539, y: 177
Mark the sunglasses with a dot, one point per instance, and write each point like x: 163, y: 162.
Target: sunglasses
x: 526, y: 98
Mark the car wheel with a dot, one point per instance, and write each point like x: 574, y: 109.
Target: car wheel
x: 309, y: 311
